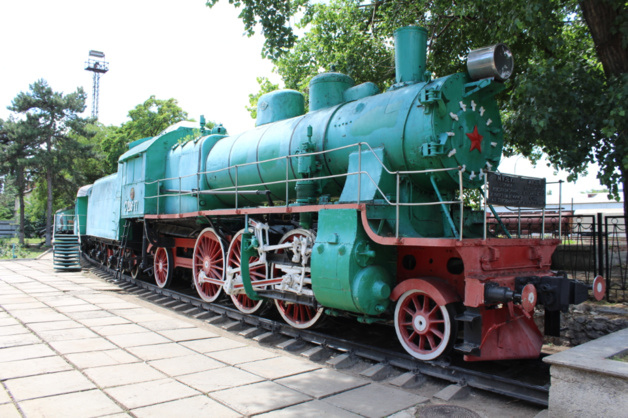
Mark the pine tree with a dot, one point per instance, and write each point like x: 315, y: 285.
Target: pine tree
x: 52, y: 116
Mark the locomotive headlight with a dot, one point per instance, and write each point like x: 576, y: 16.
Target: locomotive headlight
x: 492, y: 61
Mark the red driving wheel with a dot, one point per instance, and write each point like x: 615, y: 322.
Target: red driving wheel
x: 423, y: 327
x: 208, y: 265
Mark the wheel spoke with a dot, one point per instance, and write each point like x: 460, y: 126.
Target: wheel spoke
x: 258, y: 274
x: 437, y: 332
x: 409, y: 311
x: 416, y: 303
x: 430, y: 338
x: 434, y: 312
x: 422, y: 341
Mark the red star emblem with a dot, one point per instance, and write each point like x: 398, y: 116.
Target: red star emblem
x: 476, y: 139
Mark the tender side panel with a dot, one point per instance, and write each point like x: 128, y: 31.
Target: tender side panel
x: 103, y: 208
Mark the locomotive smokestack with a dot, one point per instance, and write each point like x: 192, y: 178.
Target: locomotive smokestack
x: 410, y: 51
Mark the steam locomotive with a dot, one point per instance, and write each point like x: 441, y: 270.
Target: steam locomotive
x: 354, y: 208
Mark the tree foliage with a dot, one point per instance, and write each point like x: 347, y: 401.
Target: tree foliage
x: 7, y: 199
x: 19, y: 145
x: 273, y: 17
x: 146, y: 119
x: 152, y: 117
x: 265, y: 86
x: 50, y: 118
x: 19, y: 142
x: 568, y: 97
x: 47, y: 150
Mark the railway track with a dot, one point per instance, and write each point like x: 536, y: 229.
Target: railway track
x: 526, y: 380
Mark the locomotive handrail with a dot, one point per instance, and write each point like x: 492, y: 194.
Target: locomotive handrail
x: 236, y: 188
x: 519, y: 215
x: 431, y: 170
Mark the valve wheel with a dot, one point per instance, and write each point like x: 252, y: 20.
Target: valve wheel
x: 297, y: 315
x: 209, y: 258
x: 423, y: 327
x: 241, y: 301
x: 163, y: 267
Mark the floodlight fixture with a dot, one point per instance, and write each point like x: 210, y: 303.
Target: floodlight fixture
x: 97, y: 65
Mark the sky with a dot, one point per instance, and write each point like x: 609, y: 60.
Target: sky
x: 182, y: 50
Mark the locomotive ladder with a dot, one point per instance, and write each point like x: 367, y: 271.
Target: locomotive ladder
x: 123, y: 246
x: 66, y: 251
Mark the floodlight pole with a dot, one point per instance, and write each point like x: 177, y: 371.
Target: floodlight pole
x: 96, y: 64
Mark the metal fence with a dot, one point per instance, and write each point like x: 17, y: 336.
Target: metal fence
x: 7, y: 229
x: 591, y: 245
x: 616, y: 257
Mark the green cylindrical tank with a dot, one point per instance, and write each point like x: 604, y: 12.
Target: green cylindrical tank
x: 328, y: 89
x: 279, y: 105
x: 410, y: 52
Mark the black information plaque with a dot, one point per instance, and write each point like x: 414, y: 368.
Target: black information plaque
x: 517, y: 191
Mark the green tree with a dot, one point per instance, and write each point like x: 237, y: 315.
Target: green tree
x: 152, y: 117
x: 94, y: 165
x: 265, y: 86
x: 274, y: 18
x: 7, y: 189
x: 8, y: 195
x: 18, y: 145
x: 56, y: 116
x: 146, y: 120
x: 568, y: 97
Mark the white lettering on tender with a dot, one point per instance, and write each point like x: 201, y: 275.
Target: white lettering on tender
x: 131, y: 206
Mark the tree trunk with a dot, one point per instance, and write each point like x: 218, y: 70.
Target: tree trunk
x: 20, y: 191
x: 600, y: 16
x: 49, y: 208
x: 49, y: 200
x: 625, y: 183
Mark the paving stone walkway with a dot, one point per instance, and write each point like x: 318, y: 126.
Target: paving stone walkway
x: 71, y: 345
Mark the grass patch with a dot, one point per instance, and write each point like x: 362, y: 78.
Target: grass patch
x: 622, y: 356
x: 11, y: 249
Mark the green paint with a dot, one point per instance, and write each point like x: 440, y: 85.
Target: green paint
x: 247, y: 251
x: 353, y: 273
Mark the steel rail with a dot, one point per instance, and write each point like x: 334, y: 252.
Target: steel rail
x: 441, y: 369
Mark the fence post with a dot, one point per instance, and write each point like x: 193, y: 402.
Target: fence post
x: 600, y: 245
